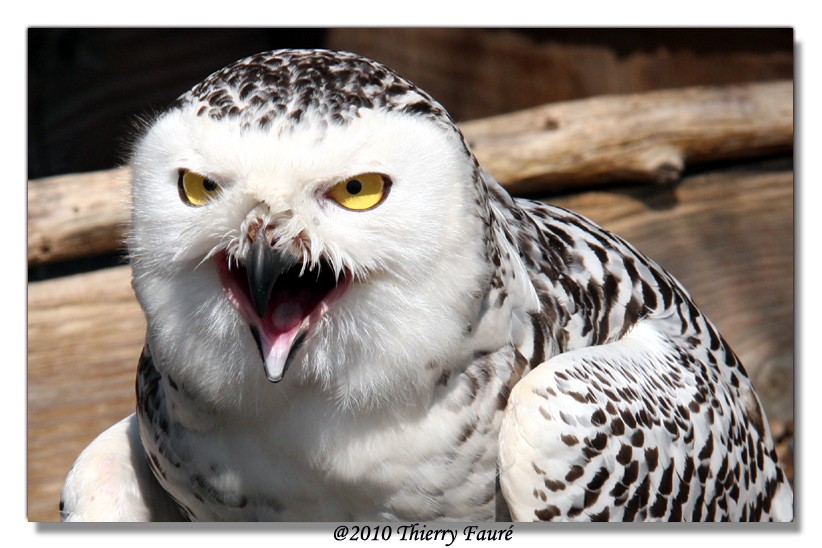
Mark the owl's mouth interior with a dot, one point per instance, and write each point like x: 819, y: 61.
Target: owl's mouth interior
x: 299, y: 299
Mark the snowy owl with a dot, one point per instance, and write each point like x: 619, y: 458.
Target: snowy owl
x: 349, y: 320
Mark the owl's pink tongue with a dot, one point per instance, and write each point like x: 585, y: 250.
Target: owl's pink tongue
x: 278, y: 330
x: 296, y: 304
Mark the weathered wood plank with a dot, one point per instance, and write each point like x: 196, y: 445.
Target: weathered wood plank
x: 645, y: 137
x: 85, y: 333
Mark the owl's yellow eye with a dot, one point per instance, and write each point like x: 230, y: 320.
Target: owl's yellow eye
x: 360, y: 192
x: 196, y: 189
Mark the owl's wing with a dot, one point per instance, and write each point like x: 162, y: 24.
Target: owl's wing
x: 111, y: 481
x: 628, y: 431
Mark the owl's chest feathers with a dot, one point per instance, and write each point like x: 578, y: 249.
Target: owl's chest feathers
x: 310, y: 460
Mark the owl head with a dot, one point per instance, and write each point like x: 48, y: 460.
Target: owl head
x: 312, y: 218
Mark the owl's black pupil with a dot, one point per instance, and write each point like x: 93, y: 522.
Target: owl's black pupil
x: 353, y: 186
x: 209, y: 185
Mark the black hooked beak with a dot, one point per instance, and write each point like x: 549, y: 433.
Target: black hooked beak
x: 264, y: 265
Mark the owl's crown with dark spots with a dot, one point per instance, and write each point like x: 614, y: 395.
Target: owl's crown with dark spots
x: 288, y: 85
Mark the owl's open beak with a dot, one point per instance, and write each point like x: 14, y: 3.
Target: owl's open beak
x: 280, y: 304
x: 264, y: 265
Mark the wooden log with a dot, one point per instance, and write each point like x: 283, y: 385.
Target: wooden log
x: 78, y: 215
x: 646, y: 137
x: 641, y: 137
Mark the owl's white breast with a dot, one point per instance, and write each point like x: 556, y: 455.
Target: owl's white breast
x: 310, y: 461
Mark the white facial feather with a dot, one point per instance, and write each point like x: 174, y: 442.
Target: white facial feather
x: 409, y: 303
